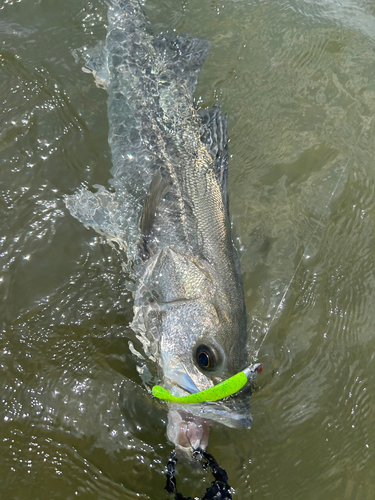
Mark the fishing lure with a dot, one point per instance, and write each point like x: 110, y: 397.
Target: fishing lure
x: 215, y: 393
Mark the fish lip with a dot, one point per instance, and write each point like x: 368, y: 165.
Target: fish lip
x: 233, y: 411
x: 216, y: 412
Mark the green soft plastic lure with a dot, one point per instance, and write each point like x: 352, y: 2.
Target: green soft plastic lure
x: 215, y: 393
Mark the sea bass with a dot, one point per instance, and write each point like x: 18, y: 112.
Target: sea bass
x: 167, y: 208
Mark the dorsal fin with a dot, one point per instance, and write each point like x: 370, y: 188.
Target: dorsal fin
x: 214, y: 135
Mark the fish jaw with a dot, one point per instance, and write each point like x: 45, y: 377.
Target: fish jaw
x: 187, y: 431
x: 189, y: 424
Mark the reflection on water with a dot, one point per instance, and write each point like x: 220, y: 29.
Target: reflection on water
x: 297, y: 80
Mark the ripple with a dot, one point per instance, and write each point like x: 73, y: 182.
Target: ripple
x: 28, y: 454
x: 353, y: 14
x: 296, y: 80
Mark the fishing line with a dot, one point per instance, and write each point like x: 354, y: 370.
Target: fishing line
x: 286, y: 290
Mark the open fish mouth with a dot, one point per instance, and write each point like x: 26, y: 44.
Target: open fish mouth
x: 188, y: 432
x: 189, y: 424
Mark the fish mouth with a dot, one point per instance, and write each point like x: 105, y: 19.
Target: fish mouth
x: 186, y: 431
x: 189, y: 430
x: 189, y: 425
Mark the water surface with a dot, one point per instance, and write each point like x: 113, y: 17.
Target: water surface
x: 297, y: 79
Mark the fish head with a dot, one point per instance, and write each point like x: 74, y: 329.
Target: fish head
x: 203, y: 343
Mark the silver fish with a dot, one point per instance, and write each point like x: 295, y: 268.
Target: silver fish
x: 168, y: 210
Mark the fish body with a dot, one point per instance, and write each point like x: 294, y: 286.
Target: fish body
x: 168, y: 209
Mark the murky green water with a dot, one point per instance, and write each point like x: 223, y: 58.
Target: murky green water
x: 297, y: 79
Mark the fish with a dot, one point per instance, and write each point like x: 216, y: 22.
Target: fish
x: 167, y: 209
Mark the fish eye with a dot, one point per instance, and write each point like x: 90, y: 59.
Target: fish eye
x: 206, y: 357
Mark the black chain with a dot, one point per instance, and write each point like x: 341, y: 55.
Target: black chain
x: 219, y: 488
x: 171, y: 486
